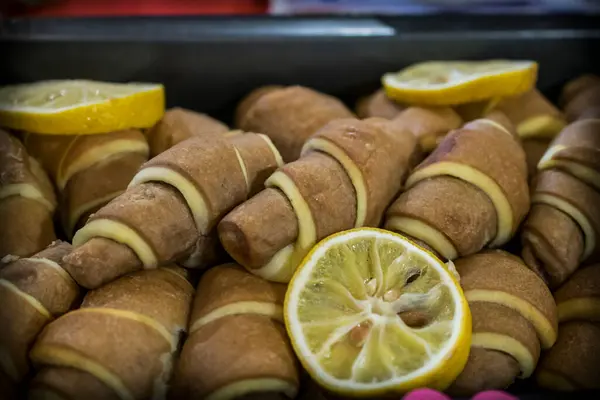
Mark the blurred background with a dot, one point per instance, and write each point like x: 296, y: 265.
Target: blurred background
x: 286, y: 7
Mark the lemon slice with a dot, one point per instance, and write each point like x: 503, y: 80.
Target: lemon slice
x: 80, y: 106
x: 369, y: 313
x: 448, y: 83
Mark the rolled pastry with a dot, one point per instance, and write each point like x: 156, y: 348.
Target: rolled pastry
x: 513, y: 316
x: 429, y: 125
x: 248, y: 101
x: 33, y: 291
x: 533, y: 116
x: 469, y: 193
x: 572, y: 363
x: 577, y: 151
x: 378, y: 105
x: 237, y: 346
x: 121, y: 342
x: 179, y: 124
x: 94, y: 187
x: 563, y: 227
x: 581, y: 95
x: 88, y: 170
x: 171, y: 207
x: 290, y: 115
x: 577, y: 85
x: 27, y: 202
x: 337, y: 184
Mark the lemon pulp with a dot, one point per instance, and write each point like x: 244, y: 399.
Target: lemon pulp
x: 369, y: 312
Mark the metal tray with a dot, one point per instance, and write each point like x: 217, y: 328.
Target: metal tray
x: 208, y: 64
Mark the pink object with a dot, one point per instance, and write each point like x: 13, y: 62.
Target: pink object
x: 494, y: 395
x: 426, y: 394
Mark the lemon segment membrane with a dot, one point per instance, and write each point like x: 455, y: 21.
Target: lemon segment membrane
x: 371, y: 313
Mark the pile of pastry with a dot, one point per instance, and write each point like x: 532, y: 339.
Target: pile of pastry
x: 179, y: 239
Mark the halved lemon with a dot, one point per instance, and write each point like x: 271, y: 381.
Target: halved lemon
x: 449, y: 83
x: 80, y: 106
x: 369, y: 313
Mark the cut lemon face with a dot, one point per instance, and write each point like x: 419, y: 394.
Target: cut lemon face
x: 80, y: 106
x: 449, y: 83
x: 369, y: 313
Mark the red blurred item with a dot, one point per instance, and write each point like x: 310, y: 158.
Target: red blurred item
x: 96, y: 8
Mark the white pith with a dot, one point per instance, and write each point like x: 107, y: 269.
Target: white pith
x: 378, y: 311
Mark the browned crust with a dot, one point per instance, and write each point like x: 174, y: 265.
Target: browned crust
x: 159, y: 214
x: 254, y: 231
x: 528, y: 105
x: 377, y: 104
x: 568, y: 188
x: 500, y: 118
x: 70, y: 384
x: 228, y: 284
x: 179, y: 124
x: 84, y: 143
x: 584, y: 283
x: 100, y: 261
x: 258, y: 158
x: 99, y: 181
x: 576, y: 354
x: 52, y: 289
x: 247, y: 102
x: 128, y: 348
x: 207, y: 251
x: 211, y: 164
x: 485, y: 370
x: 26, y: 227
x: 495, y: 318
x: 325, y: 187
x: 232, y: 349
x: 582, y: 101
x: 552, y: 244
x: 16, y: 168
x: 497, y: 270
x: 289, y: 116
x: 575, y: 86
x: 381, y: 151
x: 49, y: 150
x: 429, y: 125
x: 159, y: 294
x: 505, y: 165
x: 592, y: 112
x: 534, y: 151
x: 582, y: 141
x: 21, y: 323
x: 459, y: 210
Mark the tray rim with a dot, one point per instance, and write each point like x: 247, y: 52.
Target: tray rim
x: 257, y: 28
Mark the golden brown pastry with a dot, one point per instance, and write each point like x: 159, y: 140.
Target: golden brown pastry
x: 471, y: 192
x: 237, y: 346
x: 171, y: 207
x: 27, y: 202
x: 572, y: 363
x: 179, y: 124
x: 290, y: 115
x: 514, y: 315
x: 429, y: 124
x: 119, y: 344
x: 33, y: 291
x: 378, y: 105
x: 88, y: 170
x: 349, y: 172
x: 563, y: 227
